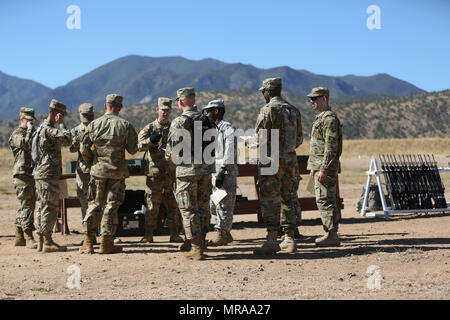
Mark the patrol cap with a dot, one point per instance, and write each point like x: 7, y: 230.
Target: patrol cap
x: 58, y: 106
x: 27, y: 113
x: 86, y: 111
x: 115, y: 99
x: 215, y: 104
x: 165, y: 103
x: 318, y: 92
x: 185, y: 92
x: 271, y: 83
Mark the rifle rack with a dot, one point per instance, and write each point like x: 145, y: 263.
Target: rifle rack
x: 387, y: 211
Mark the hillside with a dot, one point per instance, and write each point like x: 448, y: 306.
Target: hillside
x: 363, y: 117
x: 16, y: 92
x: 142, y: 79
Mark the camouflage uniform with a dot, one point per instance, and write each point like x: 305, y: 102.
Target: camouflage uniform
x: 193, y: 181
x: 20, y: 145
x: 278, y: 192
x: 160, y: 173
x: 106, y: 139
x: 48, y: 170
x: 325, y: 150
x: 82, y: 167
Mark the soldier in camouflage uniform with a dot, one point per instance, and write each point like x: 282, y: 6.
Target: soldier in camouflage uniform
x: 277, y: 191
x: 193, y: 181
x: 226, y: 173
x: 106, y: 139
x: 86, y: 111
x: 47, y: 145
x: 325, y: 150
x: 160, y: 175
x: 20, y: 145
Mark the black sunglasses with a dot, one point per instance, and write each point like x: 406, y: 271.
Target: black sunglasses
x: 315, y: 98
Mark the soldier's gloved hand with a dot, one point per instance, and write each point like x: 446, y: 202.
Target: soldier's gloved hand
x: 219, y: 179
x: 155, y: 137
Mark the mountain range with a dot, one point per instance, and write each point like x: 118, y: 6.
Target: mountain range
x: 367, y: 116
x: 143, y: 79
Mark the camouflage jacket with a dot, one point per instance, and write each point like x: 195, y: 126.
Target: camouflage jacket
x: 49, y: 146
x: 326, y: 143
x: 155, y: 153
x: 280, y: 114
x: 227, y: 152
x: 106, y: 139
x: 186, y: 169
x: 82, y: 166
x: 20, y: 145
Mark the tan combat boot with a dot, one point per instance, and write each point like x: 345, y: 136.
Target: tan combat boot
x: 196, y: 252
x: 229, y: 237
x: 271, y: 245
x: 331, y: 239
x: 148, y: 236
x: 88, y: 244
x: 20, y: 240
x: 29, y: 238
x: 40, y: 242
x: 107, y: 245
x: 51, y: 246
x: 186, y: 246
x: 219, y: 239
x: 174, y: 236
x: 288, y: 244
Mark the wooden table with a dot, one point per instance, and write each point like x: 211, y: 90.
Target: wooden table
x: 241, y: 207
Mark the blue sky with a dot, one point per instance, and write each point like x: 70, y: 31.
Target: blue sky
x: 324, y: 37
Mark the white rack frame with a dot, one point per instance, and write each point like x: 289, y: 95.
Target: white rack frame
x: 375, y: 171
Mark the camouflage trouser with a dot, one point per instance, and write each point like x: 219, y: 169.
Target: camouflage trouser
x: 298, y: 209
x: 326, y: 201
x: 159, y: 190
x: 193, y: 194
x: 26, y: 194
x: 223, y: 213
x: 82, y: 180
x: 47, y: 192
x: 105, y: 198
x: 278, y: 193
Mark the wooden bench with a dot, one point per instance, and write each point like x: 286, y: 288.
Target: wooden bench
x: 241, y: 207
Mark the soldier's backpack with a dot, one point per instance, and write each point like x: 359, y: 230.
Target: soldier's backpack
x: 35, y: 152
x: 206, y: 125
x: 373, y: 199
x: 289, y: 132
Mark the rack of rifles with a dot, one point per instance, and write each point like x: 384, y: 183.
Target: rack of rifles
x: 413, y: 182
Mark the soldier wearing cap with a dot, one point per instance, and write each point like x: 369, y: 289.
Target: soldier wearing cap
x: 20, y: 145
x: 86, y: 111
x: 193, y: 180
x: 277, y: 191
x: 225, y: 176
x: 325, y: 150
x: 106, y: 139
x: 160, y: 174
x: 47, y: 144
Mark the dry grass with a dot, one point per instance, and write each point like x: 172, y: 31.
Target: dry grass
x: 354, y: 162
x: 440, y: 147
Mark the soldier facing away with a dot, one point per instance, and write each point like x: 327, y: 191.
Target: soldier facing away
x: 106, y: 139
x: 47, y: 144
x: 20, y: 145
x: 325, y: 150
x: 86, y: 111
x: 277, y: 191
x: 160, y: 173
x: 193, y: 180
x: 225, y: 175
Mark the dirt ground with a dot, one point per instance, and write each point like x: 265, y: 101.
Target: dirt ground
x: 411, y: 252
